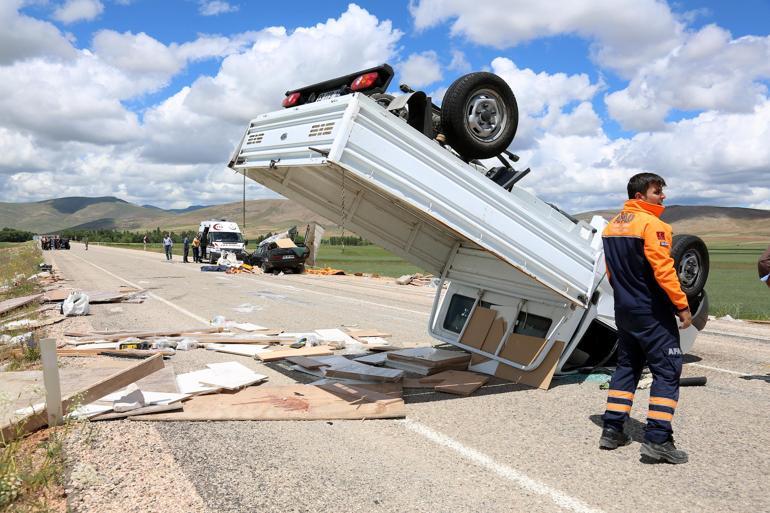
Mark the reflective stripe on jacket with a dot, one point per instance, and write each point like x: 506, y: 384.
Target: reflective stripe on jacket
x: 637, y: 250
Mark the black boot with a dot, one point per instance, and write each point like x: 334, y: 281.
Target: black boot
x: 612, y: 439
x: 666, y: 451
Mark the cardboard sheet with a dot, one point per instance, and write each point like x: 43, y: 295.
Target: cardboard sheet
x: 290, y: 402
x: 538, y: 378
x: 478, y: 327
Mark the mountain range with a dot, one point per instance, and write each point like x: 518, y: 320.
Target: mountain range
x: 714, y: 224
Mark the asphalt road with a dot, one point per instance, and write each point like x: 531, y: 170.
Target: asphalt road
x: 506, y: 448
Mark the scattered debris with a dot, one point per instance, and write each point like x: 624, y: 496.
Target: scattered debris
x: 427, y: 360
x: 77, y: 303
x: 418, y: 279
x: 326, y: 271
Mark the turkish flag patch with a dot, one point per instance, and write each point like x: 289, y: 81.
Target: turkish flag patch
x: 661, y: 235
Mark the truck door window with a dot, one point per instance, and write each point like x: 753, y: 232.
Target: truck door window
x: 458, y: 311
x: 532, y: 325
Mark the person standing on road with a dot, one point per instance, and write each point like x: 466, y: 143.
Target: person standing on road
x: 637, y: 251
x: 763, y: 267
x: 85, y: 241
x: 185, y: 249
x: 196, y: 244
x: 167, y: 244
x: 144, y: 241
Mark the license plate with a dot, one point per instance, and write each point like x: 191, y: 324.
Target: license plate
x: 328, y: 94
x: 288, y: 257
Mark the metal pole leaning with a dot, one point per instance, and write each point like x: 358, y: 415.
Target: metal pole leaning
x: 53, y: 401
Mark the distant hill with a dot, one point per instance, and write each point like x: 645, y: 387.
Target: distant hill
x: 713, y: 224
x: 113, y: 213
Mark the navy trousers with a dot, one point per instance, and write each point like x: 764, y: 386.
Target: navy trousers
x: 652, y: 339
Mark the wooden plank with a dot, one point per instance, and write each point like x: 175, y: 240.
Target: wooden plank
x: 422, y: 369
x: 156, y: 408
x: 290, y: 402
x: 251, y: 340
x: 126, y: 353
x: 306, y: 362
x: 86, y: 395
x: 285, y: 353
x: 114, y: 337
x: 360, y: 332
x: 17, y: 302
x: 538, y: 378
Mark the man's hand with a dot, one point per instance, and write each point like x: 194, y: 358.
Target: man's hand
x: 686, y: 317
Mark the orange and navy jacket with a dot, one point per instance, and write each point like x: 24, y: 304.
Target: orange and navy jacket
x: 637, y: 250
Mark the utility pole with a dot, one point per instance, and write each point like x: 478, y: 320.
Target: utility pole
x: 243, y: 230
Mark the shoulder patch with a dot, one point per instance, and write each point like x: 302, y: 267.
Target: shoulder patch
x: 664, y: 243
x: 661, y: 235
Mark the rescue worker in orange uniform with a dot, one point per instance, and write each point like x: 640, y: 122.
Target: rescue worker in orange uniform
x: 648, y: 298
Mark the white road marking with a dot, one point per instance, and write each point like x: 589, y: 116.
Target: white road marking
x: 734, y: 335
x: 154, y: 296
x: 719, y: 369
x: 511, y: 474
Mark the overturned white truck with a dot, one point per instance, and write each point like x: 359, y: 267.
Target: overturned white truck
x: 528, y: 291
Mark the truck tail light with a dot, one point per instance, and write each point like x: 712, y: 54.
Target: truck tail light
x: 291, y: 100
x: 364, y: 81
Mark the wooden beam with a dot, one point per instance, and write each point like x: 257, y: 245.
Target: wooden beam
x: 87, y: 395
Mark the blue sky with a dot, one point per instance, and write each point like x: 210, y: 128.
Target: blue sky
x: 144, y: 99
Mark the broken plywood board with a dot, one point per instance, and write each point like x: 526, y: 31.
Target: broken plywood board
x: 17, y: 302
x: 307, y: 363
x: 280, y: 354
x: 455, y: 382
x: 363, y: 372
x: 290, y: 402
x: 86, y: 395
x: 373, y: 359
x: 492, y: 340
x: 430, y: 356
x: 422, y: 369
x: 251, y: 350
x: 359, y: 333
x: 116, y: 336
x: 538, y: 378
x: 478, y: 327
x: 145, y: 410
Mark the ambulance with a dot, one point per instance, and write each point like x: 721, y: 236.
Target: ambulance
x: 219, y: 236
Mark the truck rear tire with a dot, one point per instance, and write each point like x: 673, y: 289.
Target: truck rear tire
x: 479, y: 115
x: 691, y: 261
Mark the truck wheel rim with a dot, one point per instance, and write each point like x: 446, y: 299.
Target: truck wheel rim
x: 485, y: 115
x: 689, y: 268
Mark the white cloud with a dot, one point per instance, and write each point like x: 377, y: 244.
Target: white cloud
x: 206, y: 120
x: 78, y: 10
x: 709, y: 71
x: 625, y: 33
x: 420, y: 69
x: 459, y: 63
x: 24, y: 37
x: 542, y: 98
x: 713, y: 158
x: 215, y: 7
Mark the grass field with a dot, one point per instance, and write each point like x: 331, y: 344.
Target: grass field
x: 733, y: 285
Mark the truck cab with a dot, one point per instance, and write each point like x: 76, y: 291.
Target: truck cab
x: 219, y: 236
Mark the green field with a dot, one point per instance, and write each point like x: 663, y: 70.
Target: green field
x: 9, y: 244
x: 733, y: 285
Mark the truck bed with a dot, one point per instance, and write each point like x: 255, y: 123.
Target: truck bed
x: 356, y: 164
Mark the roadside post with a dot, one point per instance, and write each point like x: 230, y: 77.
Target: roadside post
x: 53, y: 402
